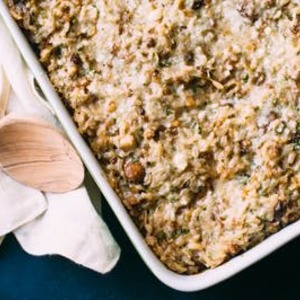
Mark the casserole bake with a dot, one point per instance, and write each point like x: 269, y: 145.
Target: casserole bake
x: 239, y: 163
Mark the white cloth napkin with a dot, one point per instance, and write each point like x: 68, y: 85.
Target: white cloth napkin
x: 18, y: 204
x: 64, y: 224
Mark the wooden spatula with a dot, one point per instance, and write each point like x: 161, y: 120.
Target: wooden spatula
x: 37, y: 155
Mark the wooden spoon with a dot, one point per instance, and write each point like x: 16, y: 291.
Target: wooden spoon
x: 37, y: 155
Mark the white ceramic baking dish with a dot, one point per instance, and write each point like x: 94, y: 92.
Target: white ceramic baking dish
x: 180, y: 282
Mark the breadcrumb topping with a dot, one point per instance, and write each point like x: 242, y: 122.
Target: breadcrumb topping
x: 191, y: 107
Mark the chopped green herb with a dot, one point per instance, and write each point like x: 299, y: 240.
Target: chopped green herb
x: 243, y: 179
x: 297, y: 146
x: 199, y: 129
x: 164, y: 60
x: 173, y: 199
x: 138, y: 133
x: 167, y: 110
x: 178, y: 232
x: 193, y: 84
x: 296, y: 141
x: 161, y: 235
x: 245, y: 77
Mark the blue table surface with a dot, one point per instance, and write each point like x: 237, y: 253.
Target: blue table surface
x: 26, y: 277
